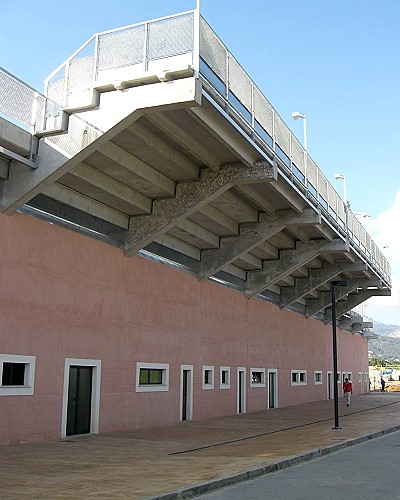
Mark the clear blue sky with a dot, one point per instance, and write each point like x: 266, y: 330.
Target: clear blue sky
x: 337, y: 61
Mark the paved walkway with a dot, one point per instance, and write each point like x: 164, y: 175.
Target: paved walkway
x: 184, y: 460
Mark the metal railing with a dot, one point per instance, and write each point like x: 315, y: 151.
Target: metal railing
x: 142, y: 51
x: 232, y: 88
x: 19, y: 101
x: 138, y: 51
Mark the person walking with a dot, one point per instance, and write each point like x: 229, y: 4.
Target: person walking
x: 348, y: 390
x: 383, y: 383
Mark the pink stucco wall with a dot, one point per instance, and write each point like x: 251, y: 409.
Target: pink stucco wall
x: 63, y: 295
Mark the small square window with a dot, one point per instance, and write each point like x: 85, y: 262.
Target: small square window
x: 208, y: 377
x: 317, y: 377
x: 17, y: 375
x: 225, y: 377
x: 257, y: 377
x: 13, y: 374
x: 299, y: 377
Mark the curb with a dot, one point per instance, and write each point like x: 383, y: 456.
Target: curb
x: 201, y: 489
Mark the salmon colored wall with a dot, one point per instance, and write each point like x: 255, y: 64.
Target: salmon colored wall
x: 63, y: 295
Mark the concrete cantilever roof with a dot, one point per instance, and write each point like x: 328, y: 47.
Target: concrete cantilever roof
x: 156, y: 160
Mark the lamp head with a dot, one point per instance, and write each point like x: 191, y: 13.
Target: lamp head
x: 297, y: 115
x: 339, y: 283
x: 339, y: 176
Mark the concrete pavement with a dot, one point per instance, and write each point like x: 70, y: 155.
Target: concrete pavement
x: 190, y: 458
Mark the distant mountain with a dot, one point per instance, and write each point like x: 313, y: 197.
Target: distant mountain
x: 384, y: 329
x: 387, y: 345
x: 395, y: 334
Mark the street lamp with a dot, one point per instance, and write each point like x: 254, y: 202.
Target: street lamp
x: 296, y: 116
x: 334, y: 284
x: 362, y: 215
x: 343, y: 178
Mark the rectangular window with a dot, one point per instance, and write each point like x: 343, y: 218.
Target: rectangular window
x: 299, y: 377
x: 208, y: 377
x: 317, y: 377
x: 13, y: 374
x: 225, y: 377
x: 152, y: 377
x: 257, y: 377
x: 17, y: 375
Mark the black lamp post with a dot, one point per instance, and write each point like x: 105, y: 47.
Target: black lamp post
x: 334, y: 284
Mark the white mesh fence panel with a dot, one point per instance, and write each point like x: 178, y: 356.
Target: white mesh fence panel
x: 16, y: 100
x: 121, y: 48
x: 170, y: 37
x: 322, y: 185
x: 312, y: 172
x: 263, y: 111
x: 80, y: 73
x: 239, y: 82
x: 282, y: 134
x: 212, y: 50
x: 298, y: 155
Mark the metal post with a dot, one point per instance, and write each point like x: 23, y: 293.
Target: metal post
x: 334, y: 284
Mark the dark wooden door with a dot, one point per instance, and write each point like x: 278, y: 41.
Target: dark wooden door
x: 79, y: 400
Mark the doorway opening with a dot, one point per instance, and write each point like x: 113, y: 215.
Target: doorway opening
x: 186, y: 393
x: 272, y: 389
x: 241, y: 390
x: 81, y: 397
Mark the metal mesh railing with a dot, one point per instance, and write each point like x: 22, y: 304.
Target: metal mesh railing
x: 264, y: 123
x: 121, y: 48
x: 19, y: 101
x: 134, y: 47
x: 143, y: 45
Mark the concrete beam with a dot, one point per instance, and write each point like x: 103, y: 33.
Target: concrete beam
x: 289, y: 261
x: 190, y: 196
x: 250, y: 235
x: 346, y: 322
x: 4, y: 168
x: 185, y: 139
x: 15, y: 138
x: 61, y: 153
x: 358, y: 327
x: 189, y: 169
x: 222, y: 130
x: 138, y: 167
x: 226, y: 224
x: 72, y: 198
x: 111, y: 188
x: 324, y: 300
x: 196, y: 234
x: 315, y: 279
x: 289, y: 195
x: 354, y: 299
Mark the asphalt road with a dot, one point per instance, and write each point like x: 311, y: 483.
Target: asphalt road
x: 367, y: 471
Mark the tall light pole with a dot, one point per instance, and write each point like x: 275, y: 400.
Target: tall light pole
x: 334, y: 284
x: 296, y: 116
x: 343, y: 178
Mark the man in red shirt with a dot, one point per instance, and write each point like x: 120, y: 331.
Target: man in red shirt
x: 348, y: 390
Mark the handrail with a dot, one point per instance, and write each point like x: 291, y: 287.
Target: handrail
x: 232, y: 88
x: 252, y: 111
